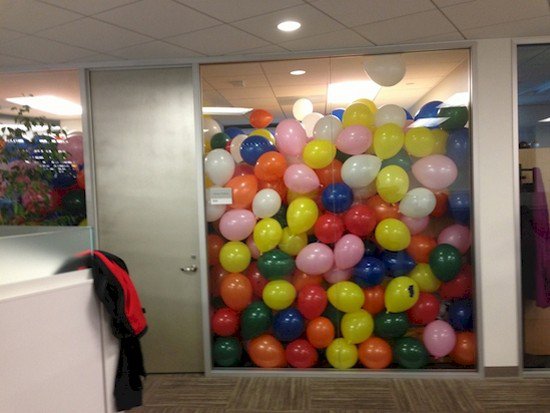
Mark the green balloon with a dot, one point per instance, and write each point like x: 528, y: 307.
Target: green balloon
x: 391, y: 325
x: 402, y: 159
x: 255, y: 320
x: 335, y: 317
x: 445, y: 262
x: 227, y: 351
x: 275, y: 264
x: 280, y: 216
x: 220, y: 140
x: 410, y: 353
x: 458, y: 117
x: 341, y: 156
x: 74, y: 202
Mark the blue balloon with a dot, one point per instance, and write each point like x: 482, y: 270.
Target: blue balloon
x: 459, y: 204
x: 369, y: 272
x: 398, y: 263
x: 233, y: 131
x: 337, y: 197
x: 461, y: 315
x: 339, y: 113
x: 253, y: 147
x: 288, y: 324
x: 17, y: 149
x: 429, y: 110
x: 458, y: 147
x: 409, y: 116
x: 63, y: 175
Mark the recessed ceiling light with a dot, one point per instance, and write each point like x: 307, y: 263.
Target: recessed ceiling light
x: 49, y: 104
x: 289, y: 26
x: 222, y: 110
x: 298, y: 72
x: 347, y: 92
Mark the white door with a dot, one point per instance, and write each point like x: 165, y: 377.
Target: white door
x: 145, y: 175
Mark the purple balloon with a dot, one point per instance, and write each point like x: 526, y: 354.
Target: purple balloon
x: 439, y: 338
x: 435, y: 171
x: 315, y: 258
x: 456, y: 235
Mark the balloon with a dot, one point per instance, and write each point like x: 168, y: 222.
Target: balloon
x: 301, y: 108
x: 335, y: 275
x: 209, y: 128
x: 235, y: 147
x: 382, y: 209
x: 464, y: 352
x: 458, y: 146
x: 415, y: 225
x: 401, y: 294
x: 253, y: 147
x: 390, y: 114
x: 301, y: 215
x: 335, y: 316
x: 397, y: 263
x: 410, y: 353
x: 255, y: 320
x: 458, y: 287
x: 73, y: 145
x: 330, y: 174
x: 244, y: 189
x: 267, y: 352
x: 275, y: 264
x: 417, y: 203
x: 392, y: 234
x: 419, y: 142
x: 375, y: 353
x: 288, y: 324
x: 213, y: 212
x: 329, y: 228
x: 279, y: 294
x: 267, y: 234
x: 392, y: 183
x: 337, y: 197
x: 369, y: 272
x: 214, y: 243
x: 439, y: 338
x: 215, y: 277
x: 460, y: 315
x: 301, y: 354
x: 359, y: 220
x: 234, y: 256
x: 257, y: 280
x: 360, y: 195
x: 339, y: 112
x: 435, y: 172
x: 354, y: 140
x: 402, y: 159
x: 290, y: 137
x: 425, y: 310
x: 232, y: 131
x: 348, y: 251
x: 456, y: 235
x: 254, y: 251
x: 360, y: 170
x: 260, y: 118
x: 327, y: 128
x: 388, y: 325
x: 226, y: 351
x: 445, y: 262
x: 370, y: 104
x: 357, y: 326
x: 278, y: 186
x: 312, y: 301
x: 428, y: 110
x: 388, y: 140
x: 220, y: 141
x: 319, y: 153
x: 237, y: 224
x: 301, y: 178
x: 341, y: 355
x: 441, y: 204
x: 374, y: 299
x: 301, y: 279
x: 458, y: 117
x: 243, y: 169
x: 425, y: 278
x: 309, y: 122
x: 270, y: 166
x: 236, y: 291
x: 358, y: 114
x: 459, y: 204
x: 291, y: 195
x: 225, y: 322
x: 219, y: 166
x: 346, y: 296
x: 320, y: 332
x: 266, y: 203
x: 315, y: 258
x: 440, y: 137
x: 386, y: 70
x: 291, y: 243
x: 420, y: 248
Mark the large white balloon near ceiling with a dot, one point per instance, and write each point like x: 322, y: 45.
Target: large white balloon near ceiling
x: 386, y: 70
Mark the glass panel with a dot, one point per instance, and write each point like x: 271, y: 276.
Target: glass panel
x: 338, y: 209
x: 534, y: 159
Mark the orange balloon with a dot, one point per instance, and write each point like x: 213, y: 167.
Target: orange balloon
x: 374, y: 299
x: 383, y: 209
x: 267, y: 352
x: 215, y: 279
x: 271, y: 166
x: 80, y: 180
x: 331, y: 173
x: 215, y: 244
x: 301, y: 279
x: 375, y: 353
x: 244, y: 188
x: 236, y: 291
x: 464, y: 352
x: 441, y: 204
x: 260, y: 118
x: 320, y: 332
x: 278, y: 186
x: 420, y: 248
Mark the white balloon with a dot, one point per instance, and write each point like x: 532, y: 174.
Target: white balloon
x: 235, y: 147
x: 390, y: 114
x: 213, y: 212
x: 219, y: 166
x: 360, y: 170
x: 301, y: 108
x: 364, y: 193
x: 417, y: 203
x: 310, y: 121
x: 327, y: 128
x: 386, y: 70
x: 266, y: 203
x: 209, y: 128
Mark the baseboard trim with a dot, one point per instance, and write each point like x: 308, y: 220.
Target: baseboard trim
x: 507, y: 371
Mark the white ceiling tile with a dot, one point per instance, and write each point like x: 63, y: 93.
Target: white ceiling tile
x: 9, y: 35
x: 88, y: 7
x: 94, y: 35
x: 213, y: 98
x: 154, y: 50
x: 157, y: 18
x: 304, y: 90
x: 335, y: 40
x: 404, y: 28
x: 230, y: 69
x: 30, y: 16
x: 447, y: 3
x: 264, y: 50
x: 255, y: 102
x: 285, y: 66
x: 310, y: 78
x: 359, y: 12
x: 539, y: 26
x: 228, y: 11
x: 217, y: 40
x: 224, y: 82
x: 445, y: 37
x: 94, y: 58
x: 43, y: 50
x: 247, y: 92
x: 10, y: 61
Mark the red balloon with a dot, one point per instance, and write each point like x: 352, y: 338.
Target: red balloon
x: 360, y: 220
x: 374, y: 299
x: 464, y: 351
x: 329, y: 228
x: 441, y: 204
x: 80, y: 179
x: 225, y: 322
x: 330, y: 174
x: 458, y: 287
x: 301, y: 354
x: 243, y: 169
x: 420, y: 247
x: 257, y: 280
x: 425, y: 310
x: 300, y: 279
x: 312, y: 301
x: 215, y: 244
x: 215, y: 279
x: 383, y: 209
x: 260, y: 118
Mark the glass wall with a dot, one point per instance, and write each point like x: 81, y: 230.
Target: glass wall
x: 338, y: 205
x: 534, y: 159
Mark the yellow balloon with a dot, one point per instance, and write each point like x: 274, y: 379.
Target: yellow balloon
x: 346, y: 296
x: 388, y: 140
x: 291, y: 243
x: 234, y: 256
x: 370, y: 104
x: 207, y: 182
x: 206, y: 147
x: 291, y: 195
x: 278, y: 294
x: 83, y: 223
x: 440, y: 137
x: 401, y: 294
x: 267, y: 234
x: 425, y: 278
x: 265, y: 133
x: 357, y: 326
x: 358, y: 114
x: 392, y: 183
x: 319, y: 153
x: 301, y: 215
x: 341, y: 355
x: 392, y: 234
x: 419, y: 142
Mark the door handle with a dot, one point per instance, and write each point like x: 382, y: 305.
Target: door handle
x: 191, y: 268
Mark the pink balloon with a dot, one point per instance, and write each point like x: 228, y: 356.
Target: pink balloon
x: 237, y: 224
x: 354, y: 140
x: 315, y: 258
x: 335, y: 275
x: 439, y: 338
x: 415, y: 225
x: 435, y: 171
x: 254, y: 251
x: 243, y: 169
x: 348, y: 251
x: 301, y: 178
x: 456, y: 235
x: 74, y: 147
x: 290, y: 137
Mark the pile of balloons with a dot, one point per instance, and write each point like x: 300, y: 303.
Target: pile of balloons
x: 347, y: 240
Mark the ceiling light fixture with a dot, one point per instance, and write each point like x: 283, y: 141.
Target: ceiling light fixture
x: 298, y: 72
x: 347, y: 92
x: 49, y: 104
x: 289, y: 26
x: 545, y: 120
x: 224, y: 110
